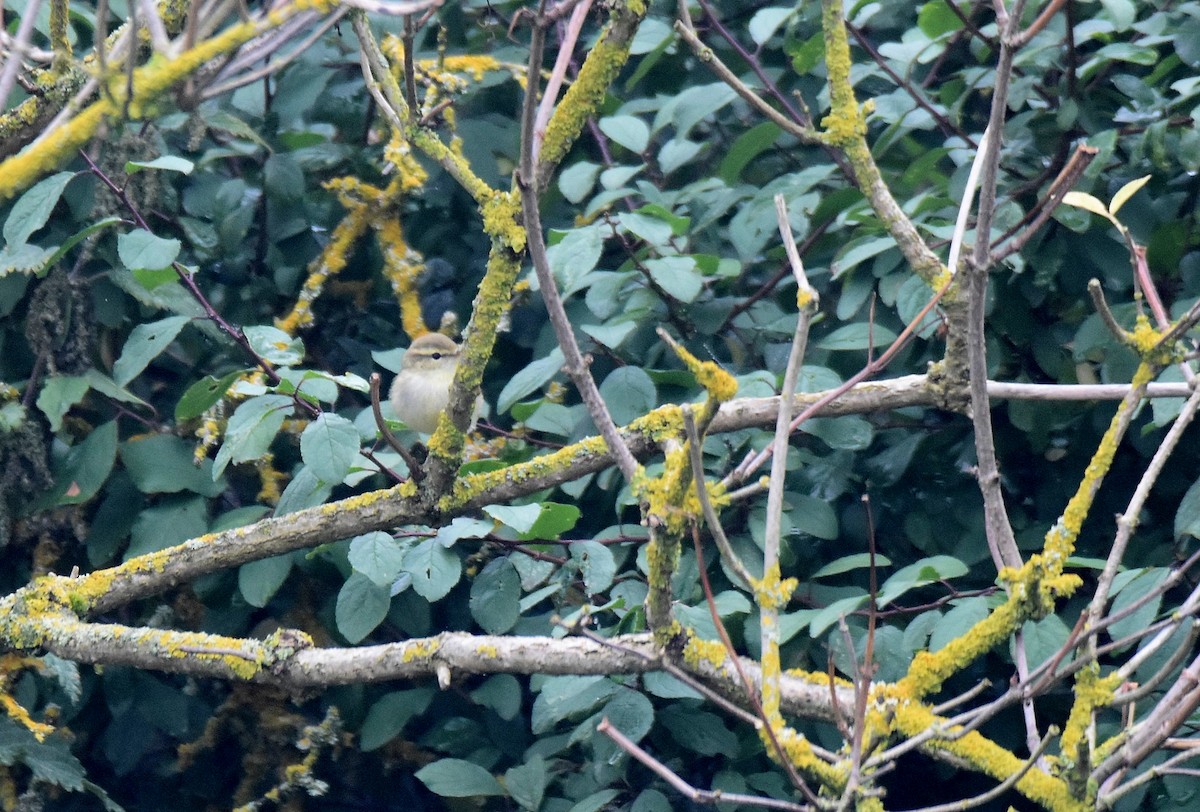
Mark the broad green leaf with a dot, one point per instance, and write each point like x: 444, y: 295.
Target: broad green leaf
x: 1045, y: 639
x: 935, y: 19
x: 748, y: 146
x: 576, y: 181
x: 108, y: 387
x: 699, y: 731
x: 608, y: 335
x: 144, y: 344
x: 455, y: 778
x: 526, y: 783
x: 86, y: 466
x: 33, y: 209
x: 172, y: 163
x: 502, y: 693
x: 258, y: 581
x: 252, y: 429
x: 574, y: 256
x: 520, y: 518
x: 463, y: 527
x: 1133, y: 586
x: 386, y: 718
x: 361, y: 607
x: 813, y: 516
x: 846, y: 563
x: 631, y: 713
x: 1122, y: 13
x: 304, y: 491
x: 495, y: 597
x: 651, y: 229
x: 58, y: 395
x: 676, y: 153
x: 861, y: 250
x: 678, y: 277
x: 552, y: 521
x: 378, y: 556
x: 329, y: 446
x: 924, y: 572
x: 141, y: 250
x: 1125, y: 192
x: 629, y: 394
x: 766, y: 22
x: 174, y: 520
x: 529, y: 379
x: 163, y: 463
x: 596, y: 564
x: 434, y: 569
x: 1187, y: 516
x: 848, y: 432
x: 275, y: 345
x: 203, y: 394
x: 628, y: 131
x: 958, y: 621
x: 569, y: 697
x: 857, y: 336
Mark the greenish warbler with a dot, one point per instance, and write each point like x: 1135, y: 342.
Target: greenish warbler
x: 421, y: 390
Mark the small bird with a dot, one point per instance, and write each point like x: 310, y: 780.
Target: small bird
x: 421, y: 390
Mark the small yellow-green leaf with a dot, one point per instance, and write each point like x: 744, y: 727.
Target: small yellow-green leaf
x: 1082, y: 200
x: 1125, y: 192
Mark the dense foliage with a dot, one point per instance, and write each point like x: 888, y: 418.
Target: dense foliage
x: 192, y: 303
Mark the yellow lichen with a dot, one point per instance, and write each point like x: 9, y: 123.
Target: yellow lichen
x: 699, y: 651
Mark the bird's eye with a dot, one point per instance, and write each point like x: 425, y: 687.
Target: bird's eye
x: 437, y: 356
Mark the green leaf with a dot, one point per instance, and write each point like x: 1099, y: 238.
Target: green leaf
x: 678, y: 277
x: 924, y: 572
x: 847, y: 563
x: 495, y: 597
x: 566, y: 697
x: 748, y: 146
x: 699, y: 731
x: 174, y: 520
x: 86, y: 466
x: 958, y: 621
x: 858, y: 336
x: 1187, y: 516
x: 519, y: 517
x: 258, y: 581
x: 386, y: 718
x: 304, y: 491
x: 596, y: 564
x: 139, y: 249
x: 33, y: 209
x: 252, y: 429
x: 455, y: 778
x: 1133, y: 586
x: 203, y: 394
x: 812, y: 516
x: 935, y: 19
x: 529, y: 379
x: 172, y: 163
x: 572, y: 257
x: 144, y: 344
x: 275, y: 345
x: 629, y: 393
x: 434, y: 569
x: 361, y: 607
x: 526, y: 783
x: 329, y: 446
x: 677, y: 152
x: 628, y: 131
x: 377, y: 556
x: 631, y: 713
x: 576, y: 181
x: 283, y: 178
x: 501, y: 693
x: 1123, y: 13
x: 163, y: 463
x: 766, y: 22
x: 58, y: 395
